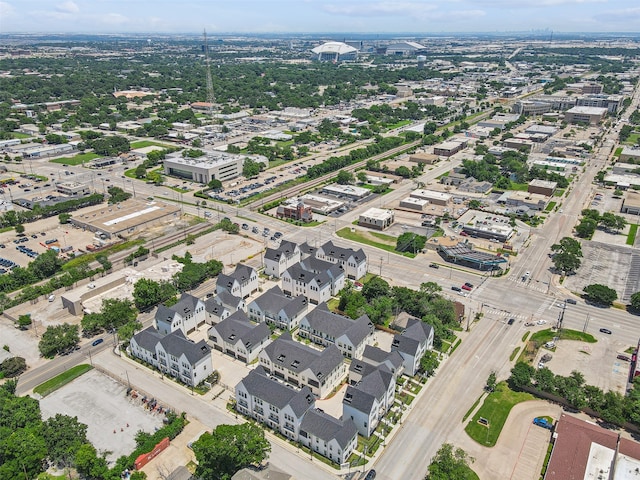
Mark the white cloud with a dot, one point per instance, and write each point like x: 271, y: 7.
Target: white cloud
x: 6, y: 10
x: 380, y: 9
x: 533, y: 3
x: 68, y: 7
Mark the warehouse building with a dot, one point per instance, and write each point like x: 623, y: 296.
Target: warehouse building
x: 125, y: 218
x: 412, y: 203
x: 437, y: 198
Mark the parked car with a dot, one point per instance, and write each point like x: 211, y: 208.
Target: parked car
x: 605, y: 330
x: 470, y: 285
x: 370, y: 475
x: 624, y: 358
x: 543, y: 422
x: 434, y: 265
x: 456, y: 289
x: 466, y: 287
x: 511, y: 321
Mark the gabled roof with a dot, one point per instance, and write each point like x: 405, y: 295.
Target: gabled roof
x: 314, y: 264
x: 377, y: 356
x: 299, y: 274
x: 334, y: 325
x: 273, y: 300
x: 237, y: 328
x: 368, y: 391
x: 148, y: 338
x: 417, y: 330
x: 306, y: 249
x: 327, y: 428
x: 285, y: 248
x: 176, y: 344
x: 164, y: 313
x: 186, y: 305
x: 259, y: 385
x: 243, y: 272
x: 297, y: 357
x: 224, y: 300
x: 339, y: 253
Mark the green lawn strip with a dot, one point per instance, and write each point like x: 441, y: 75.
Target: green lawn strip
x: 148, y: 143
x: 617, y: 152
x: 631, y: 236
x: 61, y: 380
x: 473, y: 407
x: 558, y: 192
x: 455, y: 345
x: 550, y: 206
x: 90, y: 257
x: 357, y: 237
x: 520, y: 187
x: 77, y: 160
x: 514, y: 353
x: 525, y: 336
x: 495, y: 409
x: 21, y: 135
x: 633, y: 139
x: 544, y: 336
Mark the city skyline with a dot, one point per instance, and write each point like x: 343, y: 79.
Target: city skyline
x: 310, y: 16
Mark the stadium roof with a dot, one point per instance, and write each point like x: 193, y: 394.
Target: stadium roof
x: 334, y: 47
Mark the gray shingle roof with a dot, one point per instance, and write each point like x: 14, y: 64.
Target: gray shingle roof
x: 334, y: 325
x: 306, y: 249
x: 148, y: 338
x: 297, y: 357
x: 258, y: 384
x: 186, y: 305
x: 285, y: 249
x: 370, y: 389
x: 273, y: 301
x: 164, y: 313
x: 243, y: 272
x: 299, y: 274
x: 176, y: 344
x: 327, y: 428
x: 224, y: 300
x: 237, y: 328
x: 411, y: 337
x: 339, y: 253
x: 377, y: 356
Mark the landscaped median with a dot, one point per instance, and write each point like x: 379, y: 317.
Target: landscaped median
x: 61, y: 380
x: 487, y: 423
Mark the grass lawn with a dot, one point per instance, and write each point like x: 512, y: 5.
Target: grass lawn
x: 617, y: 152
x: 633, y: 139
x: 550, y: 206
x: 147, y: 143
x: 77, y: 160
x: 358, y: 237
x: 61, y: 380
x: 521, y: 187
x: 20, y: 135
x: 399, y: 124
x: 631, y: 236
x: 559, y: 192
x: 544, y: 336
x: 495, y: 409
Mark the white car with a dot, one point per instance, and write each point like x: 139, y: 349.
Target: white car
x: 91, y: 286
x: 541, y: 322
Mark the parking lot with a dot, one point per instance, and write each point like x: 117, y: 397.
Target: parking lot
x: 598, y: 361
x: 102, y: 404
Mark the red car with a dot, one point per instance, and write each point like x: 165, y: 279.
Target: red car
x: 466, y: 287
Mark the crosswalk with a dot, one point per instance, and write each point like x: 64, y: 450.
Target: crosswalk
x: 542, y: 287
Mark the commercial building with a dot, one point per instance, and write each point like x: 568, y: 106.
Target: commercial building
x: 47, y: 150
x: 588, y: 115
x: 436, y: 198
x: 446, y: 149
x: 629, y: 154
x: 405, y: 49
x: 412, y: 203
x: 376, y: 218
x: 213, y: 165
x: 464, y: 254
x: 631, y: 203
x: 518, y: 144
x: 347, y: 191
x: 621, y: 168
x: 72, y: 189
x: 545, y: 130
x: 318, y: 203
x: 424, y: 158
x: 584, y: 450
x: 543, y: 187
x: 610, y: 102
x: 499, y: 121
x: 295, y: 210
x: 530, y: 107
x: 523, y: 201
x: 126, y: 218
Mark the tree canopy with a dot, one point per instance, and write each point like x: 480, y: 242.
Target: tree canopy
x: 450, y: 463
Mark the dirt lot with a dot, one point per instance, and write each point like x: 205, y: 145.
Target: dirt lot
x: 101, y: 403
x: 596, y: 361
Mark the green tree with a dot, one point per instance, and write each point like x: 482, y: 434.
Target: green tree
x: 140, y: 171
x: 474, y: 204
x: 63, y: 436
x: 568, y: 245
x: 449, y: 464
x: 12, y: 367
x: 429, y: 363
x: 116, y: 312
x: 634, y: 301
x: 229, y: 448
x: 521, y: 375
x: 19, y: 228
x: 375, y: 287
x: 215, y: 184
x: 251, y: 168
x: 89, y: 463
x: 345, y: 178
x: 46, y: 264
x: 362, y: 177
x: 586, y: 228
x: 64, y: 218
x: 24, y: 321
x: 117, y: 195
x: 566, y: 263
x: 148, y: 293
x: 600, y: 294
x: 410, y: 242
x: 23, y: 453
x: 57, y: 339
x: 490, y: 386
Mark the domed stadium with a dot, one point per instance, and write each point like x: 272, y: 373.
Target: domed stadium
x: 335, y: 52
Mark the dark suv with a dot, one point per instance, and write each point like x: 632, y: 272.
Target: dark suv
x: 370, y: 475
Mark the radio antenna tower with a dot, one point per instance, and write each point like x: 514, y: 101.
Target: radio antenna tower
x: 210, y: 97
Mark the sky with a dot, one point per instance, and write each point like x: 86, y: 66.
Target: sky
x: 309, y: 16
